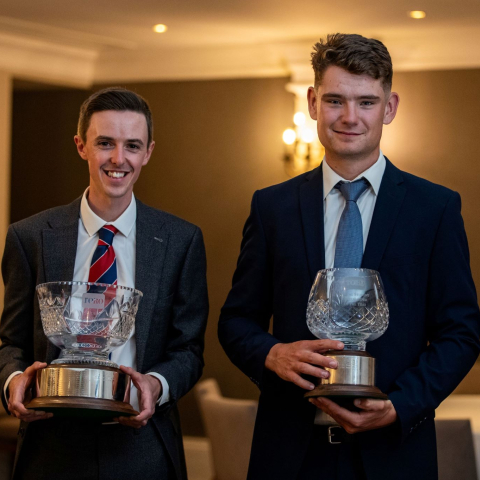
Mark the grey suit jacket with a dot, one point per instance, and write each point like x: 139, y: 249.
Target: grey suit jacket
x: 171, y: 320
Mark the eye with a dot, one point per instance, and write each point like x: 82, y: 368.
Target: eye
x: 103, y: 143
x: 133, y: 146
x: 367, y: 103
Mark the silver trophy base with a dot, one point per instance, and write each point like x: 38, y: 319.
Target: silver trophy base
x: 83, y: 390
x: 354, y: 377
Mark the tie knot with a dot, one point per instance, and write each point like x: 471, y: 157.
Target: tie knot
x: 106, y: 233
x: 352, y: 190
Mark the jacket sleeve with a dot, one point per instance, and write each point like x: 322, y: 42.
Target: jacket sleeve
x: 245, y: 317
x: 16, y: 331
x: 453, y: 322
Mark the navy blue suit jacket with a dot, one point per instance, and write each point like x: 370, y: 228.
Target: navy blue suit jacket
x: 418, y: 244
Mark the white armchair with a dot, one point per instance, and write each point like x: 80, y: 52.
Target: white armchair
x: 229, y: 425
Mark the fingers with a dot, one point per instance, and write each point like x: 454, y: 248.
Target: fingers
x: 370, y: 404
x: 291, y: 360
x: 350, y: 421
x: 20, y: 383
x: 300, y: 381
x: 377, y: 414
x: 130, y: 371
x: 135, y: 376
x: 326, y: 405
x: 292, y: 373
x: 322, y: 346
x: 19, y: 394
x: 140, y: 420
x: 18, y: 409
x: 320, y: 360
x: 30, y: 415
x: 32, y: 369
x: 139, y: 380
x: 131, y: 422
x: 146, y: 394
x: 307, y: 369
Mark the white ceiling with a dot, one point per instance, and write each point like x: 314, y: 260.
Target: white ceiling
x: 89, y: 41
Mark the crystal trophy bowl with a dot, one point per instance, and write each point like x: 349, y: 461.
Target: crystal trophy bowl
x: 349, y: 305
x: 87, y: 321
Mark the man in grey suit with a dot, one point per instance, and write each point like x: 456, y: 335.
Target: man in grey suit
x: 157, y: 253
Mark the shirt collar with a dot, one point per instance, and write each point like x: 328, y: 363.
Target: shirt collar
x: 93, y: 223
x: 374, y: 175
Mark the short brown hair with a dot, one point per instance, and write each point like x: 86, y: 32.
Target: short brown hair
x: 354, y: 53
x: 113, y: 98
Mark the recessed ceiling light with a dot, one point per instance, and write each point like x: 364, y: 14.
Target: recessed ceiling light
x: 160, y: 28
x: 417, y: 14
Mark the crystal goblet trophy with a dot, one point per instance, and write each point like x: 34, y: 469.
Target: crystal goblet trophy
x: 349, y: 305
x: 87, y: 321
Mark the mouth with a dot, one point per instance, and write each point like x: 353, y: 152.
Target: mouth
x: 115, y: 174
x: 352, y: 134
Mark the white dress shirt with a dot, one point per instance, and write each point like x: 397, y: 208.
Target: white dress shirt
x: 333, y: 205
x: 124, y: 243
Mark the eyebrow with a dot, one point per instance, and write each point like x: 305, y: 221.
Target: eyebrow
x: 361, y: 97
x: 111, y: 139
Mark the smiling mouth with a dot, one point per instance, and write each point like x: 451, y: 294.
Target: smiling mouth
x: 347, y: 133
x: 113, y: 174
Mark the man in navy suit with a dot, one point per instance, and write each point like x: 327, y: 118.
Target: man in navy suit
x: 413, y: 234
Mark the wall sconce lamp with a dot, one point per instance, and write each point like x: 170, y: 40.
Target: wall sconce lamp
x: 303, y: 150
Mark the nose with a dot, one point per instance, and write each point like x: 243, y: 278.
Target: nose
x: 349, y: 116
x: 118, y: 157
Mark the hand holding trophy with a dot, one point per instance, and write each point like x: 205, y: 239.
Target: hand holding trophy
x: 349, y: 305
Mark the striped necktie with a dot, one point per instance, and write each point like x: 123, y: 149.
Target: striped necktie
x: 103, y: 269
x: 104, y: 264
x: 349, y: 244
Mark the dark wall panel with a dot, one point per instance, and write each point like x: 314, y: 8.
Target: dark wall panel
x: 46, y: 169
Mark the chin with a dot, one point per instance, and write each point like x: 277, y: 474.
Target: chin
x: 116, y: 193
x: 348, y: 152
x: 351, y: 148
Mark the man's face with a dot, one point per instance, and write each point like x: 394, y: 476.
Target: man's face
x: 350, y: 111
x: 116, y: 150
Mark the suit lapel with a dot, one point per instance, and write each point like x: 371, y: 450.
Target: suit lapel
x: 311, y: 206
x: 59, y: 251
x: 390, y: 199
x: 151, y: 245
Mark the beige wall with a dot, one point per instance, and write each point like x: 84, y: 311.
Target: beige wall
x: 5, y: 141
x: 436, y: 136
x: 219, y: 141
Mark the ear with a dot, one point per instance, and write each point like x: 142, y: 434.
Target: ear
x: 80, y: 147
x: 391, y: 108
x: 149, y: 153
x: 312, y: 102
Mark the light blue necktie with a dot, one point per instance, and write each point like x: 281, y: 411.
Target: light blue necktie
x: 349, y: 245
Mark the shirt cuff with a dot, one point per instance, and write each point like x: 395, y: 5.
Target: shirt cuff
x: 165, y: 396
x: 5, y: 388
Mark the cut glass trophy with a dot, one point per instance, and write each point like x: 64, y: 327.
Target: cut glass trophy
x: 87, y: 321
x: 349, y: 305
